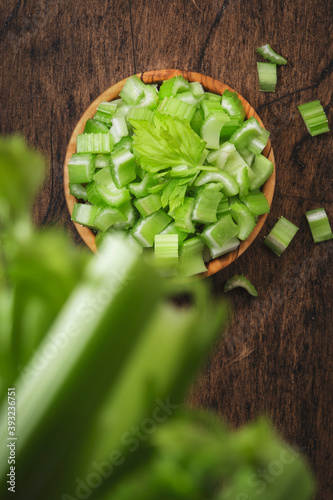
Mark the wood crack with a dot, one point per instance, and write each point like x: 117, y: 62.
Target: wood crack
x: 10, y: 17
x: 215, y: 23
x: 132, y: 34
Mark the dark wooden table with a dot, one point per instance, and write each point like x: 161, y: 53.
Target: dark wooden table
x: 57, y: 56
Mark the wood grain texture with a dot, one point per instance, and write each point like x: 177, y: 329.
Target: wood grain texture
x: 57, y: 57
x: 158, y: 76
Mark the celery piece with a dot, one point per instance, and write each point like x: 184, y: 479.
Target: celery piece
x: 212, y: 97
x: 94, y: 143
x: 247, y: 156
x: 233, y: 105
x: 133, y: 91
x: 84, y: 214
x: 125, y: 142
x: 256, y: 202
x: 206, y: 203
x: 118, y: 128
x: 230, y: 186
x: 122, y: 167
x: 81, y: 168
x: 262, y: 169
x: 268, y: 53
x: 94, y: 127
x: 218, y: 234
x: 150, y: 98
x: 240, y: 281
x: 190, y: 98
x: 102, y: 161
x: 130, y: 214
x: 93, y: 195
x: 78, y: 191
x: 140, y: 189
x: 319, y: 225
x: 166, y: 250
x: 140, y: 114
x: 250, y: 136
x: 148, y: 205
x: 190, y: 258
x: 183, y: 216
x: 176, y: 108
x: 197, y: 120
x: 230, y: 246
x: 107, y: 191
x: 244, y: 218
x: 173, y: 229
x: 230, y: 127
x: 281, y: 236
x: 197, y: 89
x: 173, y: 86
x: 145, y: 230
x: 107, y: 216
x: 314, y: 117
x: 223, y: 208
x: 267, y: 76
x: 211, y: 129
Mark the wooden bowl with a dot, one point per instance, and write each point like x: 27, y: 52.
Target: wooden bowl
x: 157, y: 76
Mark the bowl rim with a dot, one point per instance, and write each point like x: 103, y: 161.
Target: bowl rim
x: 157, y: 76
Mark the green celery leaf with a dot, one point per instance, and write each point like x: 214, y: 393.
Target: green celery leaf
x: 168, y: 143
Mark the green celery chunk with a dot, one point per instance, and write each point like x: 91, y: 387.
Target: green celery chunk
x: 206, y: 203
x: 173, y: 229
x: 267, y: 76
x: 240, y: 281
x: 244, y: 218
x: 230, y: 186
x: 190, y: 98
x: 229, y: 128
x: 256, y: 202
x: 108, y: 216
x: 250, y: 136
x: 262, y: 169
x: 190, y: 259
x: 150, y: 98
x: 223, y: 208
x: 102, y: 161
x: 314, y: 117
x: 232, y: 105
x: 130, y: 214
x: 230, y: 246
x: 79, y: 191
x: 281, y: 236
x: 140, y: 114
x: 212, y: 97
x: 148, y: 205
x: 133, y: 91
x: 211, y: 129
x: 118, y: 128
x: 84, y: 214
x: 197, y: 89
x: 106, y: 190
x: 218, y: 234
x: 145, y: 230
x: 93, y: 195
x: 197, y: 120
x: 319, y: 225
x: 123, y: 167
x: 81, y: 168
x: 94, y: 143
x: 140, y: 189
x: 125, y: 142
x: 94, y: 127
x: 173, y: 86
x: 166, y: 250
x: 177, y: 108
x: 268, y: 53
x: 183, y: 215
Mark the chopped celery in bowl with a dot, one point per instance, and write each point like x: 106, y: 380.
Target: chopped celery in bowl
x: 177, y: 160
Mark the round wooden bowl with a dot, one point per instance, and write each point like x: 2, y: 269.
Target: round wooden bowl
x: 157, y: 76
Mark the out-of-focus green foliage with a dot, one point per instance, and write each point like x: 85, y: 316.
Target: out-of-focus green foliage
x: 101, y: 361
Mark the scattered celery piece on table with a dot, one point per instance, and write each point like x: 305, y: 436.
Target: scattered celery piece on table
x: 240, y: 281
x: 268, y: 53
x: 319, y: 225
x: 281, y: 236
x: 267, y: 76
x: 314, y: 117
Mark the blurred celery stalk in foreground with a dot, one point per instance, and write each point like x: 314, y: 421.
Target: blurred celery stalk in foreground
x: 100, y: 359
